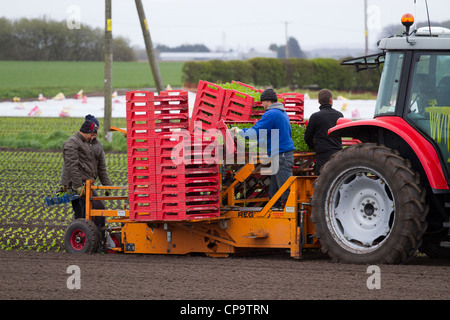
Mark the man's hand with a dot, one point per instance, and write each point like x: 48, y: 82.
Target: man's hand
x: 80, y: 190
x: 235, y: 130
x: 61, y: 190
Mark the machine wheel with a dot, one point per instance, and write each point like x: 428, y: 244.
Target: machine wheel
x: 82, y: 236
x: 115, y: 237
x: 369, y: 206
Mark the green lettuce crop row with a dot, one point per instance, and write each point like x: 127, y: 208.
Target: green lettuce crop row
x: 237, y: 87
x: 26, y: 178
x: 297, y: 130
x: 255, y: 94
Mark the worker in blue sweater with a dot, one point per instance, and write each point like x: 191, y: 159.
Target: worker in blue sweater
x: 274, y: 124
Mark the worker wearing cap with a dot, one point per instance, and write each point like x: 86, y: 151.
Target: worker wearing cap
x: 84, y: 159
x: 316, y: 133
x: 275, y: 118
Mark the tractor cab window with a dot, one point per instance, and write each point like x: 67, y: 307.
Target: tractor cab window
x: 428, y: 99
x: 389, y: 84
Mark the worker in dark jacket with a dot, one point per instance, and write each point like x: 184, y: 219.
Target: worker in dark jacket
x: 316, y: 133
x: 84, y: 159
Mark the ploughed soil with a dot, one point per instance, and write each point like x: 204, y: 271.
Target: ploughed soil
x: 32, y: 275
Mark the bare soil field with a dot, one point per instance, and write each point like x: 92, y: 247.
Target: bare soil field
x: 34, y: 265
x: 31, y: 275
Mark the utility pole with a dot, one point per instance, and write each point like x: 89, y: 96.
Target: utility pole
x: 287, y: 39
x: 108, y: 56
x: 366, y: 32
x: 149, y: 46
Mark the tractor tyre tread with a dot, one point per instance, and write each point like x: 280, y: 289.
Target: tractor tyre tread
x: 410, y: 222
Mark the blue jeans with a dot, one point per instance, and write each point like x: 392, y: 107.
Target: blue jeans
x: 286, y: 163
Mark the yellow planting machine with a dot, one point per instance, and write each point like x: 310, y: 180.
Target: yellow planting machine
x: 216, y: 208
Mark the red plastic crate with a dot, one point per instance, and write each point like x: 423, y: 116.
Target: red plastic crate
x: 172, y: 100
x: 140, y: 106
x: 294, y: 106
x: 194, y: 213
x: 171, y: 120
x: 203, y: 120
x: 172, y: 109
x: 237, y: 106
x: 201, y: 170
x: 186, y: 149
x: 208, y: 105
x: 140, y: 134
x: 201, y: 155
x: 202, y: 198
x: 196, y: 190
x: 171, y: 203
x: 139, y: 96
x: 210, y: 93
x: 195, y: 181
x: 257, y: 110
x: 142, y: 205
x: 171, y: 194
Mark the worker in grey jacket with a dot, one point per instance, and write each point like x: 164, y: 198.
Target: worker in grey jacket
x: 84, y: 159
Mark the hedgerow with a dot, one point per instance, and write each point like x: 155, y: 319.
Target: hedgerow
x: 294, y: 73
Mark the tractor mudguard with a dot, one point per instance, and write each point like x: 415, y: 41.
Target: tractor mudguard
x: 424, y: 150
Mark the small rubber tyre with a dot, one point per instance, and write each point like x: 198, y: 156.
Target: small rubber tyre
x: 369, y: 206
x: 82, y: 236
x: 116, y: 239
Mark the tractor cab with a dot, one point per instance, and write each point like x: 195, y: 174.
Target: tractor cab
x: 382, y: 199
x: 415, y: 83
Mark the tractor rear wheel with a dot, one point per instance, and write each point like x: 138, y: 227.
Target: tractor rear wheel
x: 369, y: 206
x: 82, y: 236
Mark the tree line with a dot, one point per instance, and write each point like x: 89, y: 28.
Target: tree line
x: 293, y: 49
x: 49, y: 40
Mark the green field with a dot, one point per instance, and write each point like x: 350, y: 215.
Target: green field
x: 29, y: 78
x: 51, y: 133
x: 27, y: 177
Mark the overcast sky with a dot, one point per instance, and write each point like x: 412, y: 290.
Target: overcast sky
x: 237, y: 24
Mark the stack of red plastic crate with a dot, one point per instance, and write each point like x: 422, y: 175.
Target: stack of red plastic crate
x: 202, y: 179
x: 213, y: 103
x: 294, y: 106
x: 141, y: 153
x: 187, y: 178
x: 163, y: 185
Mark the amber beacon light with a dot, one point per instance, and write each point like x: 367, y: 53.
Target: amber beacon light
x: 407, y: 21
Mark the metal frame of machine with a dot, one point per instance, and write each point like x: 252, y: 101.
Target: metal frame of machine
x: 239, y: 228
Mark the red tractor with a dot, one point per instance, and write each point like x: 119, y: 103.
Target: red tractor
x: 383, y: 199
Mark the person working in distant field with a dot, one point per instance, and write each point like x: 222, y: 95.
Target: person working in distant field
x: 316, y: 133
x: 275, y: 118
x: 84, y: 159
